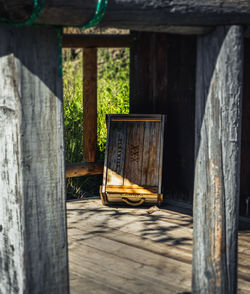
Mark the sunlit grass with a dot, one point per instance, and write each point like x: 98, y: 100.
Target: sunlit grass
x: 113, y: 97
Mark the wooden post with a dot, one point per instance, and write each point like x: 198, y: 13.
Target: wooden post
x: 89, y: 104
x: 33, y: 243
x: 217, y: 170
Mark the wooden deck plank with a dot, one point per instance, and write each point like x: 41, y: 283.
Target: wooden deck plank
x: 117, y: 272
x: 136, y: 250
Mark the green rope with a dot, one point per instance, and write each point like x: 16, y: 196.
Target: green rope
x: 99, y: 13
x: 36, y: 13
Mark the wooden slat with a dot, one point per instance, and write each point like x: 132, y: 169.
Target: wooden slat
x: 83, y: 169
x: 245, y: 139
x: 33, y: 241
x: 217, y: 181
x: 136, y: 117
x: 98, y: 41
x: 130, y: 234
x: 89, y: 104
x: 134, y: 154
x: 117, y: 255
x: 116, y: 155
x: 160, y: 63
x: 137, y: 120
x: 125, y: 189
x: 151, y: 154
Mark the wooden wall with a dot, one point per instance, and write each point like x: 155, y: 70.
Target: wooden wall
x: 163, y: 81
x: 245, y: 141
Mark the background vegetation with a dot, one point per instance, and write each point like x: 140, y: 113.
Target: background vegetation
x: 113, y: 97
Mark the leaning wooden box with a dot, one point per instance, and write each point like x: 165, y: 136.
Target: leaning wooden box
x: 133, y: 160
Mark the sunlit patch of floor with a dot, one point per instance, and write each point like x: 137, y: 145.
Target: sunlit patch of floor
x: 135, y: 250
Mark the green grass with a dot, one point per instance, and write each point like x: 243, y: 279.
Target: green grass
x: 112, y: 97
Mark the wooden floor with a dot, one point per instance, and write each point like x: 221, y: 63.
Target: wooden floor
x: 134, y: 250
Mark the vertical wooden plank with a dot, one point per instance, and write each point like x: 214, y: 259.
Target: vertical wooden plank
x: 33, y: 241
x: 148, y: 73
x: 116, y: 157
x: 245, y: 139
x: 134, y: 152
x: 179, y: 150
x: 218, y: 138
x: 151, y: 154
x: 163, y: 81
x: 89, y: 104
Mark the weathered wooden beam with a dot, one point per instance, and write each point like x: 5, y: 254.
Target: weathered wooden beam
x: 217, y: 169
x: 176, y: 16
x: 84, y: 169
x: 33, y: 241
x: 99, y: 41
x: 89, y: 104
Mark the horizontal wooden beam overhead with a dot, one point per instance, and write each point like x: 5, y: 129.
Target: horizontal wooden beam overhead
x: 182, y: 16
x: 84, y: 169
x: 99, y: 41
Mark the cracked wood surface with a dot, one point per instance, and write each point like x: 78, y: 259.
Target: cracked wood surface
x: 178, y: 16
x: 33, y: 245
x: 217, y: 168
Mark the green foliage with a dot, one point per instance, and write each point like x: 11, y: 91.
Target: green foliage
x: 73, y: 112
x: 113, y: 97
x: 113, y: 88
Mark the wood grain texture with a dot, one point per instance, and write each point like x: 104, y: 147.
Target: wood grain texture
x: 151, y: 154
x: 159, y: 15
x: 116, y: 158
x: 133, y: 159
x: 131, y: 189
x: 106, y: 243
x: 217, y: 181
x: 162, y: 69
x: 148, y: 73
x: 89, y: 104
x: 245, y: 139
x: 84, y: 169
x: 33, y: 241
x: 134, y: 153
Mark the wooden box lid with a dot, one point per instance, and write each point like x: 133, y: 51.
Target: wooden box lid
x: 134, y: 154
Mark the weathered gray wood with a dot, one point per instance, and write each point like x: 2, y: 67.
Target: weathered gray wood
x: 33, y: 243
x: 159, y: 15
x: 161, y: 240
x: 217, y: 181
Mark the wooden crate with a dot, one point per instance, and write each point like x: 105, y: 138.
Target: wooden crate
x: 133, y: 160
